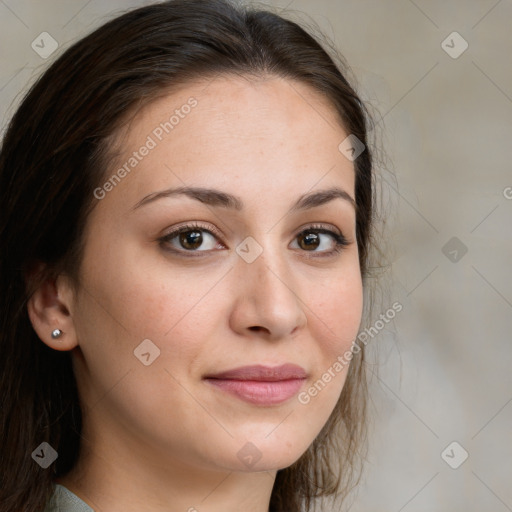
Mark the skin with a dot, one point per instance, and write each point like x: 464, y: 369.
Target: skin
x: 159, y: 437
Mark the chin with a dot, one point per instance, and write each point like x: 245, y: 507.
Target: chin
x: 266, y: 454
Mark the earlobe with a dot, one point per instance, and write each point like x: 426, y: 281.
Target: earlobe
x: 50, y: 315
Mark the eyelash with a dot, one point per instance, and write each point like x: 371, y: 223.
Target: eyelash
x: 340, y: 241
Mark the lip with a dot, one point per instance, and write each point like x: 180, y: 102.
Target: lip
x: 261, y: 372
x: 259, y: 384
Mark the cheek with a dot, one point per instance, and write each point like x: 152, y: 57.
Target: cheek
x: 128, y: 299
x: 173, y: 305
x: 147, y: 296
x: 334, y: 324
x: 338, y: 312
x: 178, y: 314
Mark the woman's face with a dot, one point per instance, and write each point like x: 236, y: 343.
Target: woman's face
x: 250, y: 171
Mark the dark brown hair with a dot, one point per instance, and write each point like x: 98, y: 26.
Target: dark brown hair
x: 56, y: 152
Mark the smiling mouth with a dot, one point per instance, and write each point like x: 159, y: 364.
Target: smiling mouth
x: 260, y: 392
x: 260, y: 385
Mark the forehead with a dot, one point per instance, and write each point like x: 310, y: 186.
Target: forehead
x: 245, y: 134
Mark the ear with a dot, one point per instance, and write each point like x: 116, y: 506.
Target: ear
x: 49, y: 308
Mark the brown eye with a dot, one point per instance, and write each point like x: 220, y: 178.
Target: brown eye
x: 309, y: 240
x: 191, y: 239
x: 320, y: 241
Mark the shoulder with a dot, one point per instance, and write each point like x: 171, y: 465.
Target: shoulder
x: 63, y: 500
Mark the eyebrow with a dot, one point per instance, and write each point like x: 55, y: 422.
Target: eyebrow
x: 213, y: 197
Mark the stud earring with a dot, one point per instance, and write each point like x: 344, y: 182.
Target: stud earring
x: 57, y: 333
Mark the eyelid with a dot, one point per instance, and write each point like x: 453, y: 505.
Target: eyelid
x: 319, y: 226
x: 190, y: 226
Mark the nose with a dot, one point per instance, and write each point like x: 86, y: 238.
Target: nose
x: 267, y: 301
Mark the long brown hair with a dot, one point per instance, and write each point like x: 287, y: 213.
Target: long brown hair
x: 55, y: 153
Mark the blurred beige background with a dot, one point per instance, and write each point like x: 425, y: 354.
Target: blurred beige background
x: 444, y: 366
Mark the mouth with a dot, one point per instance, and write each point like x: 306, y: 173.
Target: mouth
x: 260, y: 385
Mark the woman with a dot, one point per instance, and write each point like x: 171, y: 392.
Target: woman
x: 187, y: 205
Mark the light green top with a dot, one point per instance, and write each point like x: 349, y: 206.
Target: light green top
x: 63, y: 500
